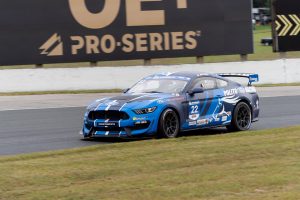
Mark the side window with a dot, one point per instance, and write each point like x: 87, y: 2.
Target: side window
x: 221, y: 83
x: 206, y: 83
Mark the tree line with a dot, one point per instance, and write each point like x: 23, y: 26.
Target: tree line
x: 261, y: 3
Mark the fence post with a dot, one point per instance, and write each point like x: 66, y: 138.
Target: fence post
x: 93, y: 64
x: 39, y: 66
x: 200, y: 59
x: 147, y: 62
x: 282, y: 55
x: 244, y: 57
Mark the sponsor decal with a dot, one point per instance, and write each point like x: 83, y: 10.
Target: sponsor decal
x: 193, y: 123
x: 106, y: 124
x: 194, y: 116
x: 139, y: 118
x: 202, y: 122
x: 231, y: 92
x: 224, y: 119
x: 168, y: 77
x: 194, y: 103
x: 214, y: 119
x: 222, y: 114
x: 194, y: 110
x: 161, y: 101
x: 241, y: 90
x: 141, y: 122
x: 250, y: 90
x: 254, y: 78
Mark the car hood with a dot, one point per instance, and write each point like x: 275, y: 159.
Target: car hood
x: 133, y: 101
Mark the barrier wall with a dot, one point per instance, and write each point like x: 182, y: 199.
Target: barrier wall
x: 20, y: 80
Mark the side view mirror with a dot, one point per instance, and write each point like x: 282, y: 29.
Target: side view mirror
x: 195, y: 91
x: 126, y: 90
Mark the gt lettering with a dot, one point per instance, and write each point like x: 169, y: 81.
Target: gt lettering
x: 135, y: 16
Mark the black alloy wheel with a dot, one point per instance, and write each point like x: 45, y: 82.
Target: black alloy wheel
x: 242, y: 118
x: 168, y: 124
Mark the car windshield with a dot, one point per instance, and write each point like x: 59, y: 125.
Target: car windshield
x: 159, y: 86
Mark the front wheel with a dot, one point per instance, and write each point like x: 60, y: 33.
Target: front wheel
x: 242, y: 118
x: 168, y: 126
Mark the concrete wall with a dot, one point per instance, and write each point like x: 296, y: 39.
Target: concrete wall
x: 18, y: 80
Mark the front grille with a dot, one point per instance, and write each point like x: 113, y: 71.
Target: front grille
x: 112, y: 115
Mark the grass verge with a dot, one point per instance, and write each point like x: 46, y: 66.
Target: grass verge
x: 278, y: 85
x: 249, y: 165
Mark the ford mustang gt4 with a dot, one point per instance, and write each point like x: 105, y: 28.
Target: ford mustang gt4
x: 167, y: 104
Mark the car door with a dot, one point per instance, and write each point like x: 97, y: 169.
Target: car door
x: 203, y: 108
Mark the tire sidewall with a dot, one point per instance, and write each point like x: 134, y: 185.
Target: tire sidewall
x: 234, y: 125
x: 161, y: 133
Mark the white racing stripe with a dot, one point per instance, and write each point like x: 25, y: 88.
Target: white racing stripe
x: 122, y: 106
x: 146, y: 95
x: 110, y: 104
x: 107, y: 108
x: 97, y: 107
x: 99, y: 104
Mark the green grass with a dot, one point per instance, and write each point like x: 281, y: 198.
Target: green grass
x: 261, y: 53
x: 249, y: 165
x: 278, y: 85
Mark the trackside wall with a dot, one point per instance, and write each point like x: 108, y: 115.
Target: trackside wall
x: 21, y: 80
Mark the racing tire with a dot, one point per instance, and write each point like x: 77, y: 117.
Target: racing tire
x: 168, y: 126
x: 241, y: 119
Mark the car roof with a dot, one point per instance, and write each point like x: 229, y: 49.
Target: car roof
x: 188, y: 74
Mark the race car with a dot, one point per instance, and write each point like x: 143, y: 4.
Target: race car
x: 167, y: 104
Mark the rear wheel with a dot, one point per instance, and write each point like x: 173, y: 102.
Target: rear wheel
x: 242, y: 118
x: 168, y: 126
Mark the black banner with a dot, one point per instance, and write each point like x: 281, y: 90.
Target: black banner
x: 57, y: 31
x: 286, y: 26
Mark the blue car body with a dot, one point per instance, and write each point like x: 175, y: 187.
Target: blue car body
x: 127, y: 115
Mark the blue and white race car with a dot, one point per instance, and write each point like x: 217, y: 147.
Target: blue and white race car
x: 166, y: 104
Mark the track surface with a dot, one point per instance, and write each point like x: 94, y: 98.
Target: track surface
x: 24, y: 131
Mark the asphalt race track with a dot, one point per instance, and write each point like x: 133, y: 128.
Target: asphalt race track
x: 35, y: 130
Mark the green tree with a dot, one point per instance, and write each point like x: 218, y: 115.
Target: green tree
x: 261, y: 3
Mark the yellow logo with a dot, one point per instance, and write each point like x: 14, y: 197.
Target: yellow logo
x: 53, y: 46
x: 135, y: 16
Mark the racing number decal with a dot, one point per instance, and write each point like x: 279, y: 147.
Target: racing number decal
x: 194, y: 118
x: 194, y: 109
x: 194, y: 112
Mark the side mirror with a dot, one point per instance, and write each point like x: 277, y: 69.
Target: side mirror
x: 195, y: 91
x: 126, y: 90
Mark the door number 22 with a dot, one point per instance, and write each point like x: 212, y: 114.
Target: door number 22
x: 194, y: 109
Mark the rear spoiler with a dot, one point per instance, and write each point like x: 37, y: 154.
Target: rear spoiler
x: 252, y: 77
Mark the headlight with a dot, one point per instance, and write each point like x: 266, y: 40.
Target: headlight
x: 145, y: 110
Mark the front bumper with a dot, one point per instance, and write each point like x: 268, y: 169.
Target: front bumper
x: 136, y: 125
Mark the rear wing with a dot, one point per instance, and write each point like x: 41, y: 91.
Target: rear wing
x: 253, y: 78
